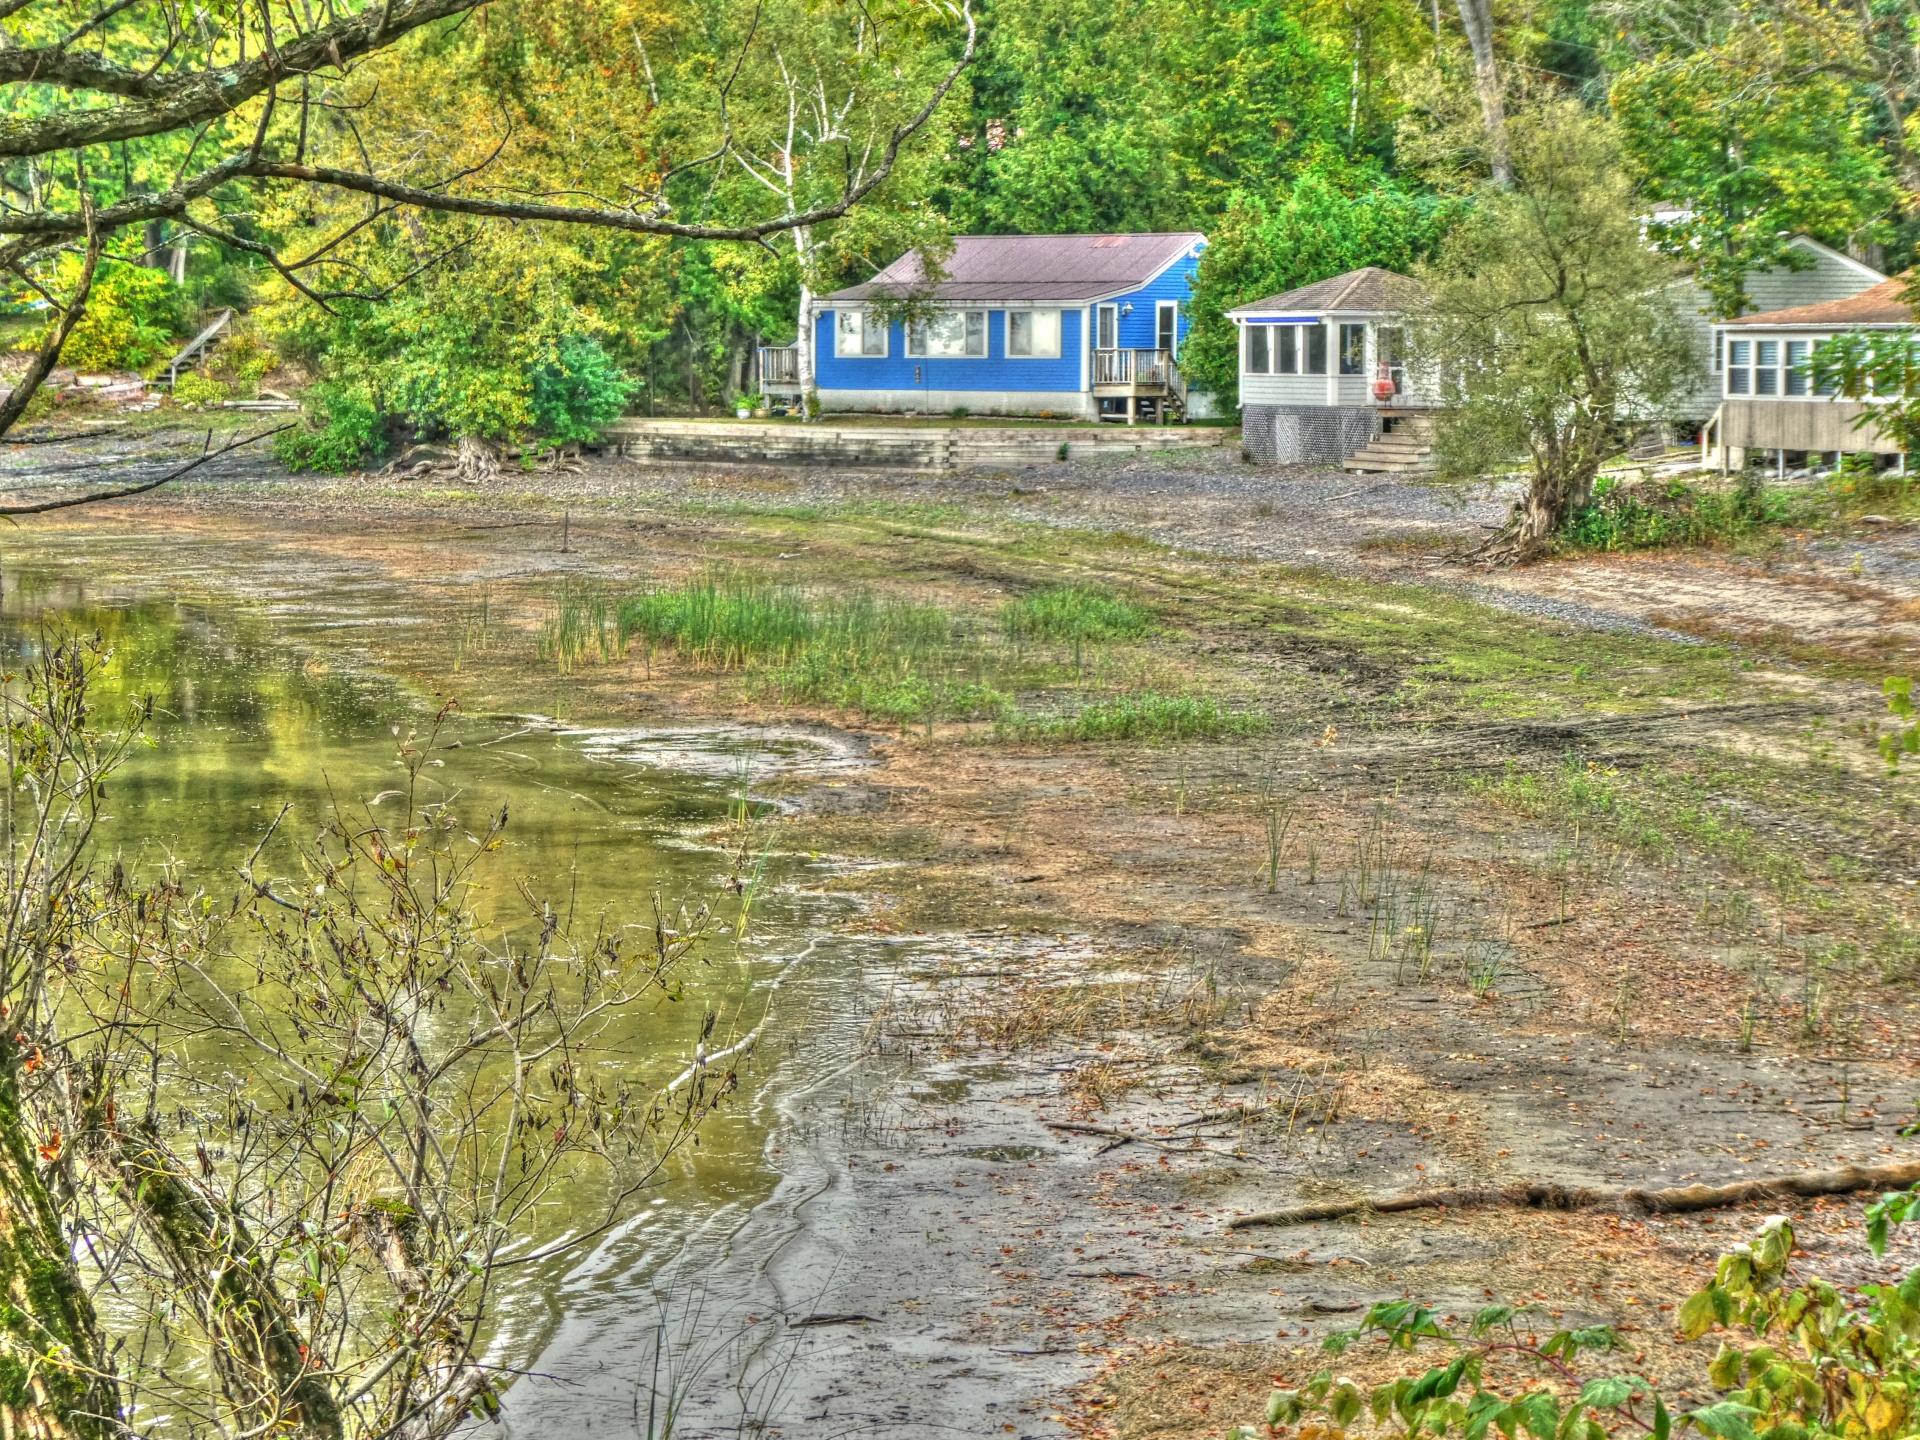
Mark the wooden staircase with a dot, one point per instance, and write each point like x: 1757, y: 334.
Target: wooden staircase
x: 1403, y: 446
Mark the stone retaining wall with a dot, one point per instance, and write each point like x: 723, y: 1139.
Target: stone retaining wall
x: 913, y: 447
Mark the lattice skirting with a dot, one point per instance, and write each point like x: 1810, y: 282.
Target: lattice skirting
x: 1293, y: 434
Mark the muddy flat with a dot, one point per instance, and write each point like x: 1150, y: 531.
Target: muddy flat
x: 1589, y: 873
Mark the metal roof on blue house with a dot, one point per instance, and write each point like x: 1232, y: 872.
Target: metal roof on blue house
x: 1062, y: 269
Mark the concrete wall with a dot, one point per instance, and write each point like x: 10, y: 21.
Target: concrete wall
x: 1801, y: 425
x: 913, y: 447
x: 1293, y: 434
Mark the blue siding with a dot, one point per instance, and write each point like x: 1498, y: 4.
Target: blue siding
x: 1173, y: 283
x: 996, y: 370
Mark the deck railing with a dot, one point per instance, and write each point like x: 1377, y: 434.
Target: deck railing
x: 1132, y: 367
x: 779, y: 367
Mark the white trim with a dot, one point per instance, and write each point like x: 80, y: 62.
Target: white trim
x: 1173, y: 338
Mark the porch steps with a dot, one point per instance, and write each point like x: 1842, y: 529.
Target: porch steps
x: 1404, y: 449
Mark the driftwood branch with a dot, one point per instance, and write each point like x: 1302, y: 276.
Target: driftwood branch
x: 1679, y: 1199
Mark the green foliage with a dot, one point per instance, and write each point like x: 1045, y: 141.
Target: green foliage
x: 1824, y: 1370
x: 578, y: 390
x: 132, y: 319
x: 1333, y: 219
x: 1074, y: 613
x: 194, y: 388
x: 1883, y: 365
x: 1547, y: 320
x: 1749, y: 157
x: 1657, y: 514
x: 1143, y: 716
x: 1905, y: 737
x: 342, y: 432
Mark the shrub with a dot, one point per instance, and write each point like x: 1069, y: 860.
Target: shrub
x: 1655, y: 514
x: 194, y: 388
x: 132, y: 319
x: 578, y: 391
x: 1824, y: 1366
x: 344, y: 433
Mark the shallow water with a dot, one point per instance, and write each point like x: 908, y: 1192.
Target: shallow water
x: 260, y: 708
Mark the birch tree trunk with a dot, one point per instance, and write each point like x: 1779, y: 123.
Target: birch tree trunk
x: 803, y: 342
x: 1476, y: 17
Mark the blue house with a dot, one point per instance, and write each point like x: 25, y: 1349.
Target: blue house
x: 1080, y: 326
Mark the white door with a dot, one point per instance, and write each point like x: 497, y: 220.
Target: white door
x: 1166, y: 328
x: 1107, y: 333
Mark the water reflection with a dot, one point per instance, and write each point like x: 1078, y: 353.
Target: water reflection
x: 250, y: 716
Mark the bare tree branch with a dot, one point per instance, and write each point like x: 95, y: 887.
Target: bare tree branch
x: 123, y: 492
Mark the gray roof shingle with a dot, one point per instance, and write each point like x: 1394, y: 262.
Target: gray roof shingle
x: 1368, y: 290
x: 1062, y: 268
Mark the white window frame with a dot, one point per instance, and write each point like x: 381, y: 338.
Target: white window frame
x: 1030, y: 353
x: 919, y: 337
x: 1106, y: 324
x: 1161, y: 310
x: 1766, y: 368
x: 1796, y: 377
x: 1266, y: 346
x: 849, y: 347
x: 1286, y: 349
x: 1739, y: 367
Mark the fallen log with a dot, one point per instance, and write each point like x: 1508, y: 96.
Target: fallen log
x: 1678, y: 1199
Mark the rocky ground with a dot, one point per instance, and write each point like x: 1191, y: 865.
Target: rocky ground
x: 1586, y: 872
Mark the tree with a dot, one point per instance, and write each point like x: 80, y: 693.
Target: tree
x: 308, y: 1240
x: 1333, y: 220
x: 138, y: 116
x: 1751, y: 140
x: 1546, y: 323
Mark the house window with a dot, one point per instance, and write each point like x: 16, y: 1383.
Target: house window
x: 1316, y: 337
x: 858, y: 333
x: 1353, y: 349
x: 1286, y: 360
x: 1719, y: 352
x: 1766, y: 367
x: 1107, y: 331
x: 1739, y: 362
x: 1034, y: 334
x: 1256, y: 349
x: 1796, y: 376
x: 1166, y: 325
x: 948, y: 335
x: 1829, y: 385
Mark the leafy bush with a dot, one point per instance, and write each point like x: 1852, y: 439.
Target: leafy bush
x: 578, y: 391
x: 1145, y: 716
x: 1074, y: 612
x: 194, y: 388
x: 1657, y: 514
x: 1824, y: 1367
x: 343, y: 433
x: 132, y: 320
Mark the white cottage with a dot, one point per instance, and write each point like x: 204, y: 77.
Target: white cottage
x: 1767, y: 398
x: 1323, y: 375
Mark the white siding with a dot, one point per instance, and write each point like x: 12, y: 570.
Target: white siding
x: 1778, y: 288
x: 1283, y: 389
x: 1355, y: 390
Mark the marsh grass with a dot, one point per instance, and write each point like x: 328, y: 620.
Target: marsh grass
x: 900, y: 660
x: 1147, y: 715
x: 1070, y: 613
x: 582, y: 628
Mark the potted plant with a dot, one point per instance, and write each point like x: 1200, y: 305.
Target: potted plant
x: 747, y: 406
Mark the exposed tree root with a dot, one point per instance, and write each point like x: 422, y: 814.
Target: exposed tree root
x: 1842, y: 1181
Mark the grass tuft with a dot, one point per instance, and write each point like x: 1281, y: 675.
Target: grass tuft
x: 1074, y: 613
x: 1145, y: 716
